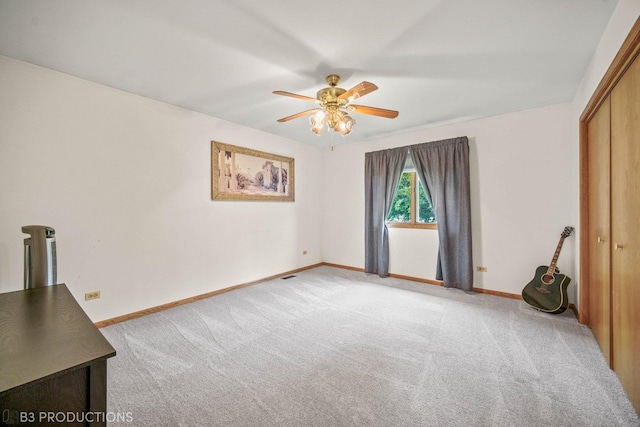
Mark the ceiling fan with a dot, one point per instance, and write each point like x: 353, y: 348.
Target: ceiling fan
x: 335, y: 106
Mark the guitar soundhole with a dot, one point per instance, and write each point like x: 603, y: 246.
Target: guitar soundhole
x: 547, y: 279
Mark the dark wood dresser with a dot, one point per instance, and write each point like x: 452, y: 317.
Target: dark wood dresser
x: 53, y: 360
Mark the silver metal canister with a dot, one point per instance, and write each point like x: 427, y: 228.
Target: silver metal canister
x: 39, y: 256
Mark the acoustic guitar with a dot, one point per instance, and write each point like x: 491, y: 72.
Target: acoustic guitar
x: 548, y: 290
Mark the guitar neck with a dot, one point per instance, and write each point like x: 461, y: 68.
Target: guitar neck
x: 552, y: 266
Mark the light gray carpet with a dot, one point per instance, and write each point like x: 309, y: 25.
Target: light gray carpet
x: 333, y: 347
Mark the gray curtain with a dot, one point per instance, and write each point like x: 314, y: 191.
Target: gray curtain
x: 443, y: 169
x: 382, y: 171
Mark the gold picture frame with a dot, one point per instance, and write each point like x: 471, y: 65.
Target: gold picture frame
x: 239, y: 173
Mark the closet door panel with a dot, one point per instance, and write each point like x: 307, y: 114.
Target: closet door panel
x: 625, y: 230
x: 599, y: 227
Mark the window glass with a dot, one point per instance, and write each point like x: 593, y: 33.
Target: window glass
x: 410, y: 206
x: 401, y: 207
x: 425, y: 211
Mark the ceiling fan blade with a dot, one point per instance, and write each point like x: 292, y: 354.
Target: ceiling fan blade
x: 295, y: 116
x: 380, y: 112
x: 358, y: 91
x: 294, y: 95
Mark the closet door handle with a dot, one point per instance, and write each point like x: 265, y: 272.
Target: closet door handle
x: 600, y: 239
x: 618, y: 247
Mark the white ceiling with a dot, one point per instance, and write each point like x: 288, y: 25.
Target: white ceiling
x: 435, y: 61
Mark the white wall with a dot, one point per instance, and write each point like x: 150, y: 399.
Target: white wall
x: 522, y: 198
x: 125, y: 182
x: 622, y: 20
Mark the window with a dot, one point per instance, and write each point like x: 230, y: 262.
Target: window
x: 410, y: 207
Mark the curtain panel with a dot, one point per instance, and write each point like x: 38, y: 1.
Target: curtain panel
x: 443, y: 169
x: 382, y: 175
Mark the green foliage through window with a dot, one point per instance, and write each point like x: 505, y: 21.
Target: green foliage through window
x: 425, y: 211
x: 401, y: 207
x: 410, y: 197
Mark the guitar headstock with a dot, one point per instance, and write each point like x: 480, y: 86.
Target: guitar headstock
x: 568, y: 231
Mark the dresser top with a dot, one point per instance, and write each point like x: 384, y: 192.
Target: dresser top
x: 45, y: 332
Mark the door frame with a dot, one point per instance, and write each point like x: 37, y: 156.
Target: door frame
x: 626, y: 55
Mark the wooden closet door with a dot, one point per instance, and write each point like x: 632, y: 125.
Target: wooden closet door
x: 625, y: 230
x: 599, y: 227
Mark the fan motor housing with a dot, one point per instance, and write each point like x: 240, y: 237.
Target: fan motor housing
x: 329, y: 94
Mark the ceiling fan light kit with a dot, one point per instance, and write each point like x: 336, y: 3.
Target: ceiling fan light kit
x: 335, y: 106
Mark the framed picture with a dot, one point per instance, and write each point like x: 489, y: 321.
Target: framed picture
x: 243, y: 174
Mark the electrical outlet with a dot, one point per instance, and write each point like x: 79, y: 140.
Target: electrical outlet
x: 304, y: 252
x: 91, y: 295
x: 482, y: 269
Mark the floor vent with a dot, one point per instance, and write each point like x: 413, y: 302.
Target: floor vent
x: 288, y: 277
